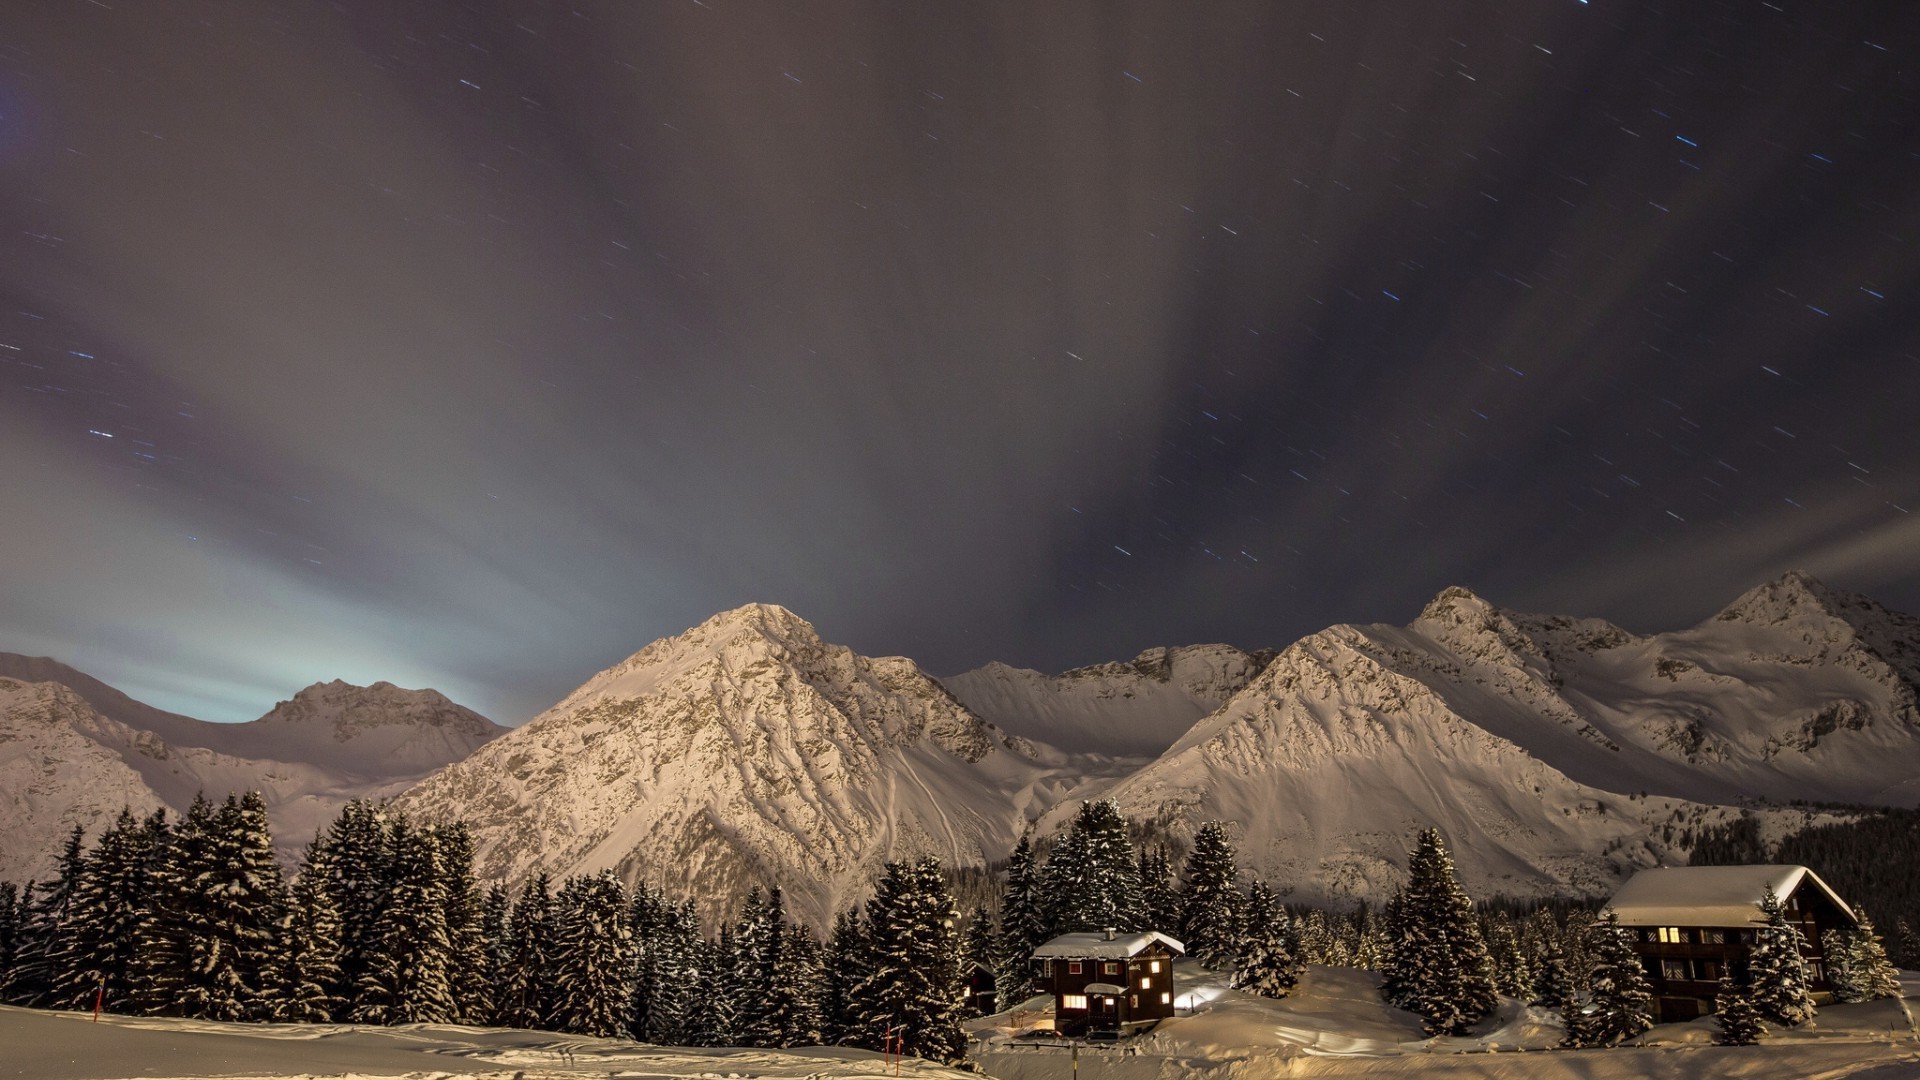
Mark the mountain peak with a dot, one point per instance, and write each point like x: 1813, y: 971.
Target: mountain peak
x: 1455, y: 603
x: 1793, y: 594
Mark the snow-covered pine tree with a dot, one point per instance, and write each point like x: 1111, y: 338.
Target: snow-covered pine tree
x: 1782, y: 985
x: 913, y: 985
x: 1734, y: 1012
x: 1619, y: 1001
x: 1023, y: 928
x: 1874, y: 975
x: 801, y: 968
x: 300, y: 978
x: 594, y: 953
x: 1267, y: 963
x: 1907, y: 943
x: 467, y: 964
x: 762, y: 1000
x: 1438, y: 964
x: 1210, y: 898
x: 169, y: 944
x: 1836, y: 946
x: 406, y: 979
x: 1092, y: 879
x: 360, y: 875
x: 1159, y: 892
x: 44, y: 948
x: 1552, y: 982
x: 846, y: 966
x: 109, y: 903
x: 675, y: 1001
x: 245, y: 891
x: 527, y: 998
x: 495, y: 906
x: 710, y: 999
x: 1512, y: 971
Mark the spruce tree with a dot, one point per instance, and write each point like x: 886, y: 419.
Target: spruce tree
x: 1552, y: 982
x: 1735, y: 1013
x: 1907, y: 942
x: 1873, y: 974
x: 846, y: 967
x: 1268, y: 964
x: 9, y: 934
x: 1837, y: 947
x: 246, y: 890
x: 360, y: 875
x: 208, y: 933
x: 912, y: 985
x: 801, y: 969
x: 168, y: 947
x: 44, y: 952
x: 1210, y: 898
x: 301, y: 977
x: 1782, y: 988
x: 1159, y: 891
x: 1023, y: 928
x: 1512, y: 971
x: 467, y: 962
x: 594, y: 951
x: 526, y: 998
x: 763, y: 1002
x: 1619, y: 1004
x: 109, y: 903
x: 494, y: 910
x: 680, y: 977
x: 1092, y: 879
x: 1437, y: 963
x: 407, y: 955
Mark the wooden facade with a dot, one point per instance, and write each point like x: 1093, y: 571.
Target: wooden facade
x: 1107, y: 984
x: 1692, y: 924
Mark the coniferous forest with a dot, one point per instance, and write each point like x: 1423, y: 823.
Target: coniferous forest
x: 383, y: 922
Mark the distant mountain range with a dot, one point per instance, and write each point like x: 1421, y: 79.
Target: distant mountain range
x: 1558, y: 753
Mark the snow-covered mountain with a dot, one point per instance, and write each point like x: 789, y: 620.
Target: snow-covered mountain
x: 330, y: 743
x: 1557, y: 752
x: 748, y: 751
x: 1128, y: 709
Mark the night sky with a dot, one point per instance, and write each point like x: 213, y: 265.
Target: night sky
x: 475, y: 345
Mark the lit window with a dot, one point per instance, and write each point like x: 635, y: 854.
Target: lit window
x: 1672, y: 935
x: 1073, y: 967
x: 1146, y: 982
x: 1155, y: 967
x: 1166, y: 997
x: 1133, y: 1001
x: 1073, y: 1001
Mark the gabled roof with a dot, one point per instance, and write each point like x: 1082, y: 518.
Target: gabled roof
x: 1098, y: 947
x: 1711, y: 895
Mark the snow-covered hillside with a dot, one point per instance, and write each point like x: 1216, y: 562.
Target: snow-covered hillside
x: 1135, y: 708
x: 1555, y: 751
x: 748, y: 751
x: 330, y: 743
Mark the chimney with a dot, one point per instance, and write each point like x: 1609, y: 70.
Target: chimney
x: 1107, y: 933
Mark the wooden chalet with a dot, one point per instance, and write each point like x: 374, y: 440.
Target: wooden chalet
x: 981, y: 990
x: 1107, y: 984
x: 1692, y: 922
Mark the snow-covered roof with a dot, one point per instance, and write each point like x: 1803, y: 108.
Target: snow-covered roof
x: 1710, y: 895
x: 1104, y: 988
x: 1099, y: 947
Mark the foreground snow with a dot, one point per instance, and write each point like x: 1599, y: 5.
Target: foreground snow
x: 1334, y: 1025
x: 68, y: 1046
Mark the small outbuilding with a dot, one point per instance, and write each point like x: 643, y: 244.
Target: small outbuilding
x: 1693, y: 923
x: 1106, y: 984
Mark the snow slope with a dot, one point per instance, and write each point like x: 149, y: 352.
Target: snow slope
x: 308, y: 756
x: 1130, y: 709
x: 748, y: 751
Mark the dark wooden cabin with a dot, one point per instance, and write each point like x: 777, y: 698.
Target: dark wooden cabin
x: 1691, y: 922
x: 1107, y: 984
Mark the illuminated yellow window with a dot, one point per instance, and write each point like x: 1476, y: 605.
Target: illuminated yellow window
x: 1146, y: 982
x: 1671, y: 935
x: 1155, y: 968
x: 1166, y: 996
x: 1073, y: 1001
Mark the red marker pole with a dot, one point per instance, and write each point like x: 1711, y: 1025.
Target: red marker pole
x: 99, y: 992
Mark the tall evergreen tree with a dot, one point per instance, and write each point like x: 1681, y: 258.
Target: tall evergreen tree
x: 1512, y: 970
x: 1735, y: 1013
x: 360, y: 877
x: 1210, y: 898
x: 1619, y: 999
x: 246, y: 890
x: 494, y: 910
x: 677, y: 1009
x: 527, y: 997
x: 1552, y: 982
x: 1268, y: 963
x: 801, y: 967
x: 594, y: 953
x: 1023, y: 928
x: 1159, y: 892
x: 208, y: 932
x: 43, y: 953
x: 167, y: 946
x: 1437, y: 963
x: 1782, y: 985
x: 303, y: 974
x: 1874, y: 975
x: 467, y: 961
x: 846, y: 967
x: 1837, y: 947
x: 763, y: 1000
x: 108, y: 906
x: 1092, y: 879
x: 912, y: 985
x: 9, y: 933
x: 407, y: 957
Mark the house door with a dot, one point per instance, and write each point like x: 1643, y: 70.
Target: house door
x: 1104, y: 1010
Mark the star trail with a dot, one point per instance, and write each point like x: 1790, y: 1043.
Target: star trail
x: 476, y: 345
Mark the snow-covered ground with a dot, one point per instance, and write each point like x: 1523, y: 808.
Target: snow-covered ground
x: 68, y: 1046
x: 1334, y: 1025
